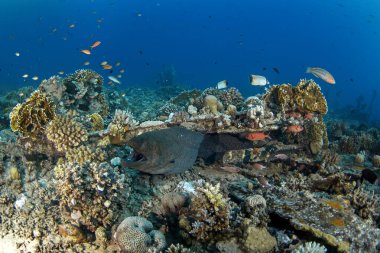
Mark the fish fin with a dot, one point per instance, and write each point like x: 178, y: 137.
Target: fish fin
x: 315, y: 75
x: 308, y: 70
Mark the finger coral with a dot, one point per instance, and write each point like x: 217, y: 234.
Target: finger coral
x: 65, y: 132
x: 207, y: 214
x: 30, y: 117
x: 136, y: 235
x: 84, y: 153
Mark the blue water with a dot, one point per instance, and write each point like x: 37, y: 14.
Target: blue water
x: 206, y: 41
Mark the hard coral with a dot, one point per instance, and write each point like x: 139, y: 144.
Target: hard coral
x: 310, y: 247
x: 171, y: 203
x: 65, y: 132
x: 309, y: 98
x: 84, y: 153
x: 97, y: 122
x: 90, y: 194
x: 121, y: 123
x: 30, y: 117
x: 366, y: 204
x: 207, y: 214
x: 136, y: 235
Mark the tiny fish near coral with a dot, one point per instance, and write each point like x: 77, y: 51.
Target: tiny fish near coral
x: 256, y: 136
x: 294, y: 129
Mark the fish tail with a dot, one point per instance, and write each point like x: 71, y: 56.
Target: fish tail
x: 308, y: 70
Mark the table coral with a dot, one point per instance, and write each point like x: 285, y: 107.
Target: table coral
x: 30, y: 117
x: 65, y: 132
x: 136, y: 235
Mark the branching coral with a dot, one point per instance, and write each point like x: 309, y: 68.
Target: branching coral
x: 30, y: 117
x: 84, y: 153
x: 207, y: 214
x: 89, y: 194
x: 366, y: 204
x: 136, y: 235
x: 121, y: 123
x: 65, y: 132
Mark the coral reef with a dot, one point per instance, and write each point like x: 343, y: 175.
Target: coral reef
x: 367, y: 205
x: 121, y: 122
x: 97, y: 122
x: 30, y: 117
x: 310, y: 247
x: 136, y: 235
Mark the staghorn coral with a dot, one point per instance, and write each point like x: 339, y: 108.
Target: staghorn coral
x: 136, y: 235
x: 89, y: 194
x: 97, y: 122
x: 65, y: 132
x: 30, y: 117
x: 84, y: 153
x: 310, y: 247
x: 178, y: 248
x: 207, y: 214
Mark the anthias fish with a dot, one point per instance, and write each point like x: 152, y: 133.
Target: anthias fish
x: 321, y: 73
x: 86, y: 51
x: 96, y: 43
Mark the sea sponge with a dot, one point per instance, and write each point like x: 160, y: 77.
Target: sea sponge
x: 136, y: 235
x: 85, y: 153
x: 208, y: 213
x: 258, y: 239
x: 376, y: 160
x: 65, y: 132
x: 97, y: 122
x: 30, y: 117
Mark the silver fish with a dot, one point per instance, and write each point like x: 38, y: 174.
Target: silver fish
x: 222, y: 85
x: 257, y: 80
x: 114, y: 79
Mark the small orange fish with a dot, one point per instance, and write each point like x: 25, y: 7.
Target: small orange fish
x: 258, y: 166
x: 321, y: 73
x: 86, y: 51
x: 256, y: 136
x: 96, y: 43
x: 294, y: 129
x: 107, y: 66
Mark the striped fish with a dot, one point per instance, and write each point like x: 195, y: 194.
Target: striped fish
x: 321, y: 73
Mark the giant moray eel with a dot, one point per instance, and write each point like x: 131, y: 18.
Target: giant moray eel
x: 175, y: 149
x: 166, y: 151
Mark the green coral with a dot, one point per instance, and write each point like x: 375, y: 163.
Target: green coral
x: 31, y: 117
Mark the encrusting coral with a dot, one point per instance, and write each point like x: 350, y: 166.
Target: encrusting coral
x: 30, y: 117
x: 207, y: 214
x: 65, y: 132
x: 136, y: 235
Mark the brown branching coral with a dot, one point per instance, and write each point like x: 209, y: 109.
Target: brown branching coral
x: 65, y: 132
x: 365, y: 204
x: 89, y: 194
x: 30, y: 117
x: 207, y: 214
x: 84, y: 153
